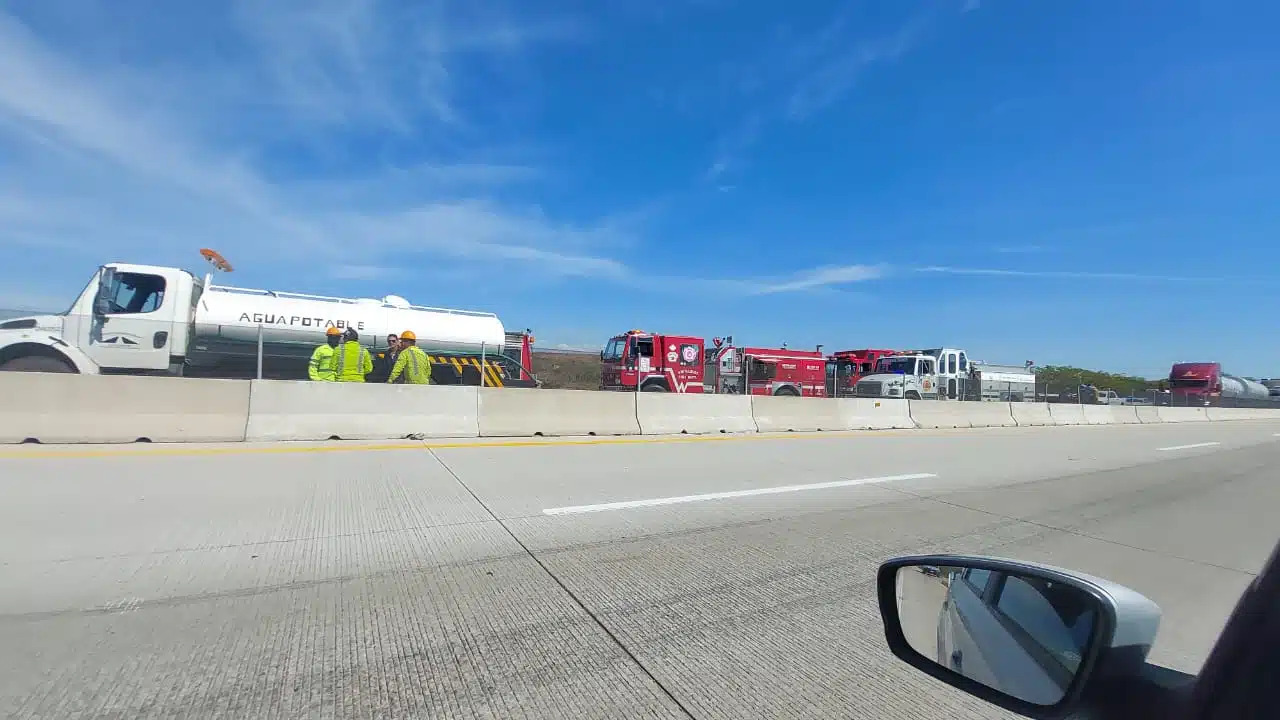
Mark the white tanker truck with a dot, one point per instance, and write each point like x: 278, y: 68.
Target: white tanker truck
x: 148, y: 320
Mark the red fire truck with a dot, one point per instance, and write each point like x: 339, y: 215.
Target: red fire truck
x: 652, y: 362
x: 846, y: 367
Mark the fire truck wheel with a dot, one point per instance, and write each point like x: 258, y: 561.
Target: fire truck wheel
x: 653, y: 387
x: 786, y: 392
x: 913, y: 395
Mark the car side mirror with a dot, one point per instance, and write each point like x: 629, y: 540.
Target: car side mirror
x: 1029, y: 638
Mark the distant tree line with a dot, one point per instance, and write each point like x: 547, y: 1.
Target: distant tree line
x: 1065, y: 376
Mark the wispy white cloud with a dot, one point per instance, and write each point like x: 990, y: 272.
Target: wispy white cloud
x: 834, y: 276
x: 733, y: 145
x: 1067, y: 274
x: 836, y: 66
x: 799, y: 75
x: 821, y: 277
x: 1021, y: 249
x: 148, y: 158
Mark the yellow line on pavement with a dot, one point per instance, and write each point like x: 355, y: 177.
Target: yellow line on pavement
x: 133, y: 450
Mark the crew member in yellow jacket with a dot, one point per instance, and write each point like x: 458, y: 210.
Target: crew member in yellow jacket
x: 351, y: 362
x: 412, y: 362
x: 321, y: 367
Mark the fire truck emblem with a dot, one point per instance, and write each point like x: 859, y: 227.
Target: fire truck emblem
x: 689, y: 353
x: 926, y: 384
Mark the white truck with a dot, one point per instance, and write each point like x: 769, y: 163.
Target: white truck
x: 936, y: 374
x: 149, y: 320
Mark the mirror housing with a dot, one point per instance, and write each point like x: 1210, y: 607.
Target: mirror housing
x: 1124, y: 626
x: 102, y: 298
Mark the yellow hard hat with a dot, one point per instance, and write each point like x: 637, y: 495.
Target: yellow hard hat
x: 332, y: 331
x: 408, y: 335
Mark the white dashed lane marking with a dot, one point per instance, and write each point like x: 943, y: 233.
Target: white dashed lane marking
x: 652, y: 502
x: 1188, y: 447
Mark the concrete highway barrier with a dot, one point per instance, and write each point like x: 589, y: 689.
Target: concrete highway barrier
x: 298, y: 410
x: 794, y: 414
x: 1067, y: 414
x: 950, y: 414
x: 1182, y: 414
x: 64, y: 408
x: 1109, y: 415
x: 1217, y: 414
x: 1146, y: 414
x: 872, y: 414
x: 525, y: 412
x: 674, y: 414
x: 1031, y: 414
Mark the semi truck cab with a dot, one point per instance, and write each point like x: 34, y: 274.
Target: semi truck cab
x: 910, y: 377
x: 937, y: 374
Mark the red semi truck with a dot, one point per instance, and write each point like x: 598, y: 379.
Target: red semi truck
x: 1204, y: 383
x: 654, y: 362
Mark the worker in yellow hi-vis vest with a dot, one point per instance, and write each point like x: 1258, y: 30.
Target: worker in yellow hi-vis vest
x: 412, y: 362
x: 321, y: 367
x: 351, y: 362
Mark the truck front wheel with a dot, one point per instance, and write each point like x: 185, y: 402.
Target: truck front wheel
x: 36, y: 363
x: 653, y: 387
x: 786, y: 392
x: 913, y: 395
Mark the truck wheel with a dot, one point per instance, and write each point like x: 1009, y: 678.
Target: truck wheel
x: 913, y: 395
x: 36, y: 363
x: 786, y: 392
x: 653, y: 387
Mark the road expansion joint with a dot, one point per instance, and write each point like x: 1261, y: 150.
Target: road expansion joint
x: 595, y: 618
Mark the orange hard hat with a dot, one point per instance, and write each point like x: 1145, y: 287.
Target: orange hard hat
x: 332, y: 331
x: 408, y: 335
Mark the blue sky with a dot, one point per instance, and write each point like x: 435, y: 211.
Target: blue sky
x: 1070, y: 182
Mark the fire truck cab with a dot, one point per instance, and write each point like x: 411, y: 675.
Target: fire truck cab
x: 846, y: 367
x: 649, y: 362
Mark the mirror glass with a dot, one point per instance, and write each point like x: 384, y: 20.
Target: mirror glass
x: 1018, y: 634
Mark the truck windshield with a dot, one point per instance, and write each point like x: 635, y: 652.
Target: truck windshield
x: 901, y: 366
x: 613, y: 351
x: 1188, y: 383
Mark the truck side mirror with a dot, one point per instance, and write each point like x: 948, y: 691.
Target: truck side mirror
x: 1029, y: 638
x: 102, y: 298
x: 601, y: 356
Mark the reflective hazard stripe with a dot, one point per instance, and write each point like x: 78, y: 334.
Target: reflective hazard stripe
x: 492, y: 369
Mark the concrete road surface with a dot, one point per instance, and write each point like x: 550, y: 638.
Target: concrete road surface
x: 920, y: 608
x: 696, y: 577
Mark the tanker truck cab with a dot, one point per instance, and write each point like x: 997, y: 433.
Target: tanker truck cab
x: 134, y: 319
